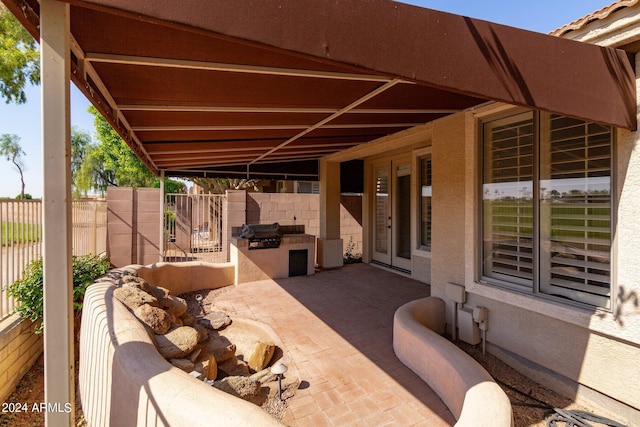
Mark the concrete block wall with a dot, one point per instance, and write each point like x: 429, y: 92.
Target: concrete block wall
x: 120, y: 226
x: 20, y: 347
x: 265, y: 208
x: 133, y: 219
x: 147, y: 233
x: 133, y: 225
x: 283, y: 207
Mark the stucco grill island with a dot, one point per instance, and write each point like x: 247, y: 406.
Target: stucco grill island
x: 288, y: 251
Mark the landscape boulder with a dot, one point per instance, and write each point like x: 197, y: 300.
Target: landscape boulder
x: 177, y: 343
x: 134, y: 297
x: 154, y: 317
x: 261, y: 355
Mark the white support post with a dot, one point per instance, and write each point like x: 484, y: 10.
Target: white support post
x: 162, y: 217
x: 56, y: 152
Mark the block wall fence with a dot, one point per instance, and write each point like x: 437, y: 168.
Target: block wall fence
x: 133, y: 219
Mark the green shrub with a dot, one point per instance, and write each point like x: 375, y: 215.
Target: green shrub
x: 28, y: 290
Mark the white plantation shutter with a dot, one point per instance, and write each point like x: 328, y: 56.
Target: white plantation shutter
x: 507, y: 199
x: 547, y: 206
x: 575, y: 211
x: 425, y: 202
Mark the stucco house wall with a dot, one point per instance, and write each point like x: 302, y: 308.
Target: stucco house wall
x: 589, y: 354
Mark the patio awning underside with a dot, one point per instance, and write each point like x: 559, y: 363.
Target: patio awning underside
x: 214, y: 88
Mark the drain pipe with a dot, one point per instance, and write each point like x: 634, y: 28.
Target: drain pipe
x: 481, y: 316
x: 457, y: 294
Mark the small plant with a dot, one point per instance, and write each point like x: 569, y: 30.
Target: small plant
x: 349, y: 256
x: 28, y: 290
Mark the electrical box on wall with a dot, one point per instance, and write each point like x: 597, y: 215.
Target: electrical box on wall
x: 468, y: 330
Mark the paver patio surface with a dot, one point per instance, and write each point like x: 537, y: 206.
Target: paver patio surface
x: 337, y: 329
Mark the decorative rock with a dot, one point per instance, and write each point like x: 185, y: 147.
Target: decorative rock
x: 216, y: 320
x: 203, y: 333
x: 193, y: 356
x: 221, y: 347
x: 187, y: 319
x: 177, y: 343
x: 175, y: 305
x: 132, y: 281
x: 134, y: 297
x: 159, y: 292
x: 156, y: 318
x: 261, y: 356
x: 242, y: 387
x: 234, y: 367
x: 212, y: 368
x: 264, y: 376
x: 184, y: 364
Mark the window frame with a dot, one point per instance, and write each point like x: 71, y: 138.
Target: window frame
x: 541, y: 123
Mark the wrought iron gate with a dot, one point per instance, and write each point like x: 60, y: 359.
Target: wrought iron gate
x: 194, y: 228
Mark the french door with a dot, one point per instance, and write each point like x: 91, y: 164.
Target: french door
x: 391, y: 211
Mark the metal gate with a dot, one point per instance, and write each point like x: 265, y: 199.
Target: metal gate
x: 194, y: 228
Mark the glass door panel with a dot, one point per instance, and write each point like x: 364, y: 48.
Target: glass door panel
x: 401, y: 224
x: 381, y: 221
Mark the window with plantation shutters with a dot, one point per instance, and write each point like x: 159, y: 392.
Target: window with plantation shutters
x: 507, y: 199
x: 425, y: 202
x: 546, y: 206
x: 575, y: 210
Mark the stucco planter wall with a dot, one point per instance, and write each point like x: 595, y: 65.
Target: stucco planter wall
x: 125, y: 382
x: 472, y: 396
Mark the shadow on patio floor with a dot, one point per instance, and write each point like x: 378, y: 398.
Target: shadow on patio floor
x: 337, y: 327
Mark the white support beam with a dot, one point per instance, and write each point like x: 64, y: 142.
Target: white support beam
x: 204, y: 172
x: 204, y: 159
x: 239, y: 149
x: 56, y: 152
x: 333, y: 116
x: 233, y: 68
x: 271, y: 127
x: 299, y: 110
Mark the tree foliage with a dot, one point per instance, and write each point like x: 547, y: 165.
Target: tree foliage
x: 171, y: 186
x: 11, y: 150
x: 220, y: 185
x: 80, y: 142
x: 19, y: 58
x: 109, y: 162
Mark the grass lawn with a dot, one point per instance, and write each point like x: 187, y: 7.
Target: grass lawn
x: 15, y: 233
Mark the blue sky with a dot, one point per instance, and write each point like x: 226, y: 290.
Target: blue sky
x: 24, y: 120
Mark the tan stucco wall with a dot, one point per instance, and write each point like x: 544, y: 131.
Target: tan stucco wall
x: 583, y: 353
x: 595, y: 350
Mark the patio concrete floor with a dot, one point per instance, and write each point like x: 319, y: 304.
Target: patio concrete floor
x: 337, y: 328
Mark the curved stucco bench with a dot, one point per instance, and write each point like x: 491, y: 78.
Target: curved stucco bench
x: 472, y: 396
x: 123, y: 380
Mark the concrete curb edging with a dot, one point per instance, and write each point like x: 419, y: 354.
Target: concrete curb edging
x: 124, y: 381
x: 472, y: 396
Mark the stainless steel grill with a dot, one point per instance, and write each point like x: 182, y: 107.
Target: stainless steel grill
x: 262, y: 236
